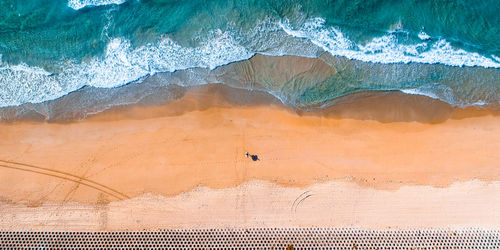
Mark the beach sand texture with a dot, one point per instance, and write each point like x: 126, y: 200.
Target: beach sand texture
x: 183, y: 165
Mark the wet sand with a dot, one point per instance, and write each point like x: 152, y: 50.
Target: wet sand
x: 48, y: 170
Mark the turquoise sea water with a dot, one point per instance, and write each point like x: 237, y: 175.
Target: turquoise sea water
x: 49, y: 48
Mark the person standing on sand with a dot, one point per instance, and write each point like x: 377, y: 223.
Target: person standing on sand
x: 254, y: 157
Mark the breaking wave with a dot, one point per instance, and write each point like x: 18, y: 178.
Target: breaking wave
x: 387, y: 48
x: 121, y: 63
x: 79, y: 4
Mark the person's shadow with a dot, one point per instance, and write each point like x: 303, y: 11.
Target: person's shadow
x: 254, y: 157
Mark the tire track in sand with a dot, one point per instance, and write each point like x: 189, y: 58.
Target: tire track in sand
x: 66, y: 176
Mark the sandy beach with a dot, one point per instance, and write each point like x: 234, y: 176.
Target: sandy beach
x: 178, y: 154
x: 258, y: 124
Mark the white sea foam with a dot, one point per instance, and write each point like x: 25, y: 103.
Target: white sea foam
x: 386, y: 49
x: 79, y: 4
x: 436, y: 91
x: 417, y: 91
x: 24, y: 68
x: 479, y: 103
x: 120, y: 65
x: 443, y: 94
x: 423, y: 36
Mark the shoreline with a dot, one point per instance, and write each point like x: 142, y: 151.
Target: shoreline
x: 381, y: 106
x: 301, y: 83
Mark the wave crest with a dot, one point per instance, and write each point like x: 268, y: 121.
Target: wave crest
x: 121, y: 64
x: 80, y: 4
x: 386, y: 49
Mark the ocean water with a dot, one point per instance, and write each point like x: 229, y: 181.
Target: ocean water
x: 449, y: 50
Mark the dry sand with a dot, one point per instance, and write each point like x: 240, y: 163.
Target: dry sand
x: 374, y: 174
x: 262, y: 204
